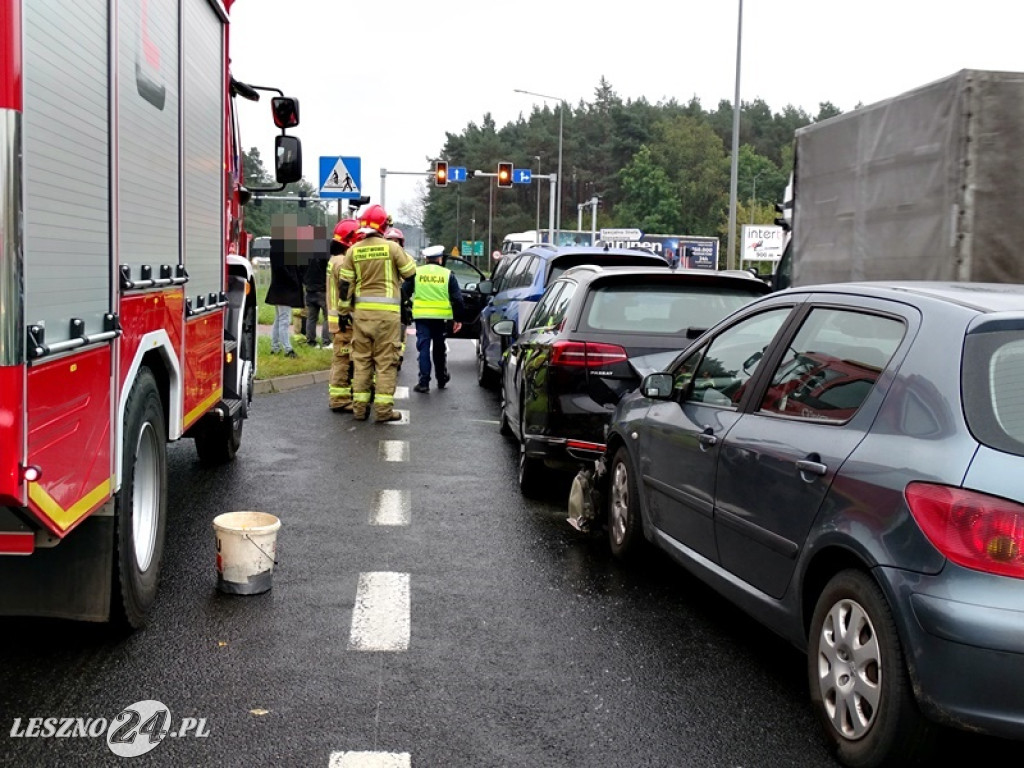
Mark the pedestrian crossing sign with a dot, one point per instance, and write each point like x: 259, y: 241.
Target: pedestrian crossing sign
x: 340, y: 177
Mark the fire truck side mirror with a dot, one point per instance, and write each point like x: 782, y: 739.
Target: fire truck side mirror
x: 286, y: 111
x: 287, y: 159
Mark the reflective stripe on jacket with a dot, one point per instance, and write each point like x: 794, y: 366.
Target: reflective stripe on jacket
x: 430, y: 299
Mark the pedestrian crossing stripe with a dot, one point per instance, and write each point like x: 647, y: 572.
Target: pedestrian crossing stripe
x: 339, y: 179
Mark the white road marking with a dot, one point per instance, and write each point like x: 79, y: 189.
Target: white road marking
x: 380, y: 618
x: 394, y: 450
x: 370, y: 760
x: 401, y: 393
x: 392, y: 508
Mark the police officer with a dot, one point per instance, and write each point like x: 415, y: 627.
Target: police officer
x: 372, y: 271
x: 339, y: 319
x: 436, y: 299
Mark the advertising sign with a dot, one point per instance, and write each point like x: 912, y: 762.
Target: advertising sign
x: 688, y: 251
x: 762, y: 243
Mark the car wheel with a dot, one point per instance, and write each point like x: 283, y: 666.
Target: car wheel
x: 485, y: 377
x: 859, y: 685
x: 504, y: 427
x: 141, y: 505
x: 218, y: 441
x: 625, y: 534
x: 532, y: 474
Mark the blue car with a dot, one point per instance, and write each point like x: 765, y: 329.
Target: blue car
x: 845, y: 464
x: 518, y: 283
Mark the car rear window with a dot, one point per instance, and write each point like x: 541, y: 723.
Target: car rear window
x: 992, y: 377
x: 562, y: 263
x: 661, y: 308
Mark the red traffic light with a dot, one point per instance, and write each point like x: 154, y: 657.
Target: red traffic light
x: 504, y: 174
x: 441, y: 173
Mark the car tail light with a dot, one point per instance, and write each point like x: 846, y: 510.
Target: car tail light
x: 586, y: 354
x: 972, y: 529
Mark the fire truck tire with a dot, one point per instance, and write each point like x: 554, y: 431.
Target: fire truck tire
x: 141, y: 506
x: 219, y: 441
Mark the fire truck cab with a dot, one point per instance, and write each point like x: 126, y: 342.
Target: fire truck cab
x: 127, y: 301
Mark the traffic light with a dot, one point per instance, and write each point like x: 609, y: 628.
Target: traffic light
x: 504, y: 174
x: 441, y: 173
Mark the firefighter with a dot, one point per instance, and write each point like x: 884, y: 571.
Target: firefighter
x: 394, y: 233
x: 371, y: 273
x: 436, y: 300
x: 339, y: 319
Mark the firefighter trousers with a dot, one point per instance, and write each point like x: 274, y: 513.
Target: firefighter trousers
x: 339, y: 388
x: 375, y: 349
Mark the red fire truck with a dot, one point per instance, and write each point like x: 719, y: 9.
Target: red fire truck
x: 127, y: 303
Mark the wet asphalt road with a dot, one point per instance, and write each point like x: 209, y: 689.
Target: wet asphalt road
x: 529, y: 645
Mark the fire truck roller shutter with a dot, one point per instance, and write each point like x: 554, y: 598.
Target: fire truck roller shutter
x: 203, y: 105
x: 66, y: 166
x: 148, y: 151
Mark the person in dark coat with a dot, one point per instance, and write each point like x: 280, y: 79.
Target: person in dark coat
x: 284, y: 293
x: 314, y: 282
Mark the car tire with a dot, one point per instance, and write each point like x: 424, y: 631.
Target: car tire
x: 485, y: 377
x: 140, y: 506
x: 625, y: 532
x: 860, y: 690
x: 504, y: 427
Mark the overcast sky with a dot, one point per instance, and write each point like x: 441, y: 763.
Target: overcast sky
x: 417, y: 69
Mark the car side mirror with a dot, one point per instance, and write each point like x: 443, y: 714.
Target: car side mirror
x: 486, y: 287
x: 657, y: 386
x: 471, y: 288
x: 504, y: 328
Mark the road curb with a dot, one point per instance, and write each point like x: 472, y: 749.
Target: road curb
x: 288, y: 383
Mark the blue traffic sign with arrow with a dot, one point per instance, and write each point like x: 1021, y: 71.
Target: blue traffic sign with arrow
x: 522, y: 176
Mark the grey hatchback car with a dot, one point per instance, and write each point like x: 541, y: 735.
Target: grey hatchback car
x: 846, y: 464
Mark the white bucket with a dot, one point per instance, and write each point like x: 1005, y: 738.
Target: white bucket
x: 246, y: 551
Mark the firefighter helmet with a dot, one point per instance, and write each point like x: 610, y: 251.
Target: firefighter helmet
x: 394, y: 233
x: 345, y: 231
x: 375, y: 218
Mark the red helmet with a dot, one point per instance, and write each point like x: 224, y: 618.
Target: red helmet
x: 394, y: 233
x: 345, y: 232
x: 375, y: 217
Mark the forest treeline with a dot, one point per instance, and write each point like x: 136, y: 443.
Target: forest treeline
x: 662, y: 168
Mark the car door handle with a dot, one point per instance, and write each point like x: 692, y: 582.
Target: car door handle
x: 811, y: 467
x: 707, y: 438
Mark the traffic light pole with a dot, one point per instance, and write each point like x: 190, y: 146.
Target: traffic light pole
x: 383, y: 177
x: 553, y: 180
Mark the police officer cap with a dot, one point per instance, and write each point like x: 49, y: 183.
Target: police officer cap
x: 432, y: 252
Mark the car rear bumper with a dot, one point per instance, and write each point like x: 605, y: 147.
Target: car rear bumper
x: 562, y: 452
x: 965, y: 647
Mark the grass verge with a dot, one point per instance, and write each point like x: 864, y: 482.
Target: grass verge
x: 307, y: 359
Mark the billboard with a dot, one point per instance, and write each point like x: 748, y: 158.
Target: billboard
x: 689, y: 251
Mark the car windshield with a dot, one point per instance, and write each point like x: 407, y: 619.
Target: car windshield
x: 663, y: 308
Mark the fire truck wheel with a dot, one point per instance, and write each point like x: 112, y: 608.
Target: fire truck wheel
x: 219, y: 441
x: 141, y: 508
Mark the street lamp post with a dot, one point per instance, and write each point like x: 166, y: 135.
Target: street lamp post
x: 537, y: 230
x: 558, y: 175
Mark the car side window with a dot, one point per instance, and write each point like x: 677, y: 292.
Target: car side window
x: 832, y: 364
x: 515, y: 272
x: 544, y: 310
x: 530, y: 275
x: 718, y: 373
x: 498, y: 279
